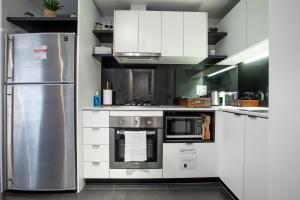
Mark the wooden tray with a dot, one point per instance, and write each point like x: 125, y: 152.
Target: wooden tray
x: 195, y: 102
x: 246, y: 103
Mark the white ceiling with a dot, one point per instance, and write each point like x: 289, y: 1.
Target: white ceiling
x: 70, y: 6
x: 215, y: 8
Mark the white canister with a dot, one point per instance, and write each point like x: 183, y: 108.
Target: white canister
x: 107, y: 97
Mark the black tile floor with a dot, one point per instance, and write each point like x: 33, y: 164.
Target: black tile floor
x: 172, y: 191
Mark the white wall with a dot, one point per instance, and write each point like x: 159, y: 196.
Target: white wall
x: 284, y: 132
x: 88, y: 71
x: 17, y: 8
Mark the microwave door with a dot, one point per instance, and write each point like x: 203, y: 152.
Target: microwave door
x: 184, y: 127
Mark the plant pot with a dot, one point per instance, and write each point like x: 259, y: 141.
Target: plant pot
x: 49, y: 13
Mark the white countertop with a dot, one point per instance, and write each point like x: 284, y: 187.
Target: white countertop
x: 239, y: 110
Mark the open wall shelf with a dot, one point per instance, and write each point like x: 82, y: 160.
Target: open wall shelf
x: 104, y: 36
x: 45, y: 24
x: 215, y: 37
x: 212, y: 60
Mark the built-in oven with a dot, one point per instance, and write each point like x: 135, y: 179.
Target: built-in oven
x: 153, y: 126
x: 184, y: 126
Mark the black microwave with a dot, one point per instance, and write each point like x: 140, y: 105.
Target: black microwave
x: 183, y: 126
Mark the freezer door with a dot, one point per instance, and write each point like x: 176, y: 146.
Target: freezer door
x: 40, y: 137
x: 40, y: 57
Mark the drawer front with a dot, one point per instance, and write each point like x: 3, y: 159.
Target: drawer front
x: 95, y: 118
x: 95, y: 135
x: 136, y: 173
x: 96, y: 170
x: 94, y: 153
x: 188, y: 160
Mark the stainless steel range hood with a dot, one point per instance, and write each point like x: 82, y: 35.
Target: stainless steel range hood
x: 137, y: 58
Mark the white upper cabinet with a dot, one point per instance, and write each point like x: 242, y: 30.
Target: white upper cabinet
x: 180, y: 37
x: 257, y: 21
x: 195, y: 34
x: 234, y: 23
x: 149, y: 32
x: 246, y: 25
x: 256, y: 147
x: 126, y: 31
x: 172, y: 33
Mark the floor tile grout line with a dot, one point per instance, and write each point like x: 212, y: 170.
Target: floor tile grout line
x: 112, y: 194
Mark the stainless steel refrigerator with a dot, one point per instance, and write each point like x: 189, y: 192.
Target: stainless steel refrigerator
x: 39, y: 109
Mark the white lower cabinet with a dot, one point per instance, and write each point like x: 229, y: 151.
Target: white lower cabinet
x: 243, y: 155
x: 95, y: 135
x: 183, y: 160
x: 96, y: 144
x: 136, y: 173
x: 96, y: 153
x: 232, y: 152
x: 256, y: 146
x: 94, y: 170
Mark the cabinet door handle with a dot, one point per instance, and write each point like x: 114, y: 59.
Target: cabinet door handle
x: 251, y: 116
x: 96, y: 146
x: 95, y: 163
x: 237, y: 114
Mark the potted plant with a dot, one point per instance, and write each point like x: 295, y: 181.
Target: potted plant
x: 50, y: 7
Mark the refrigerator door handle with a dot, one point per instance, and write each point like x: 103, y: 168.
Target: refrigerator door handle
x: 9, y: 58
x: 9, y: 134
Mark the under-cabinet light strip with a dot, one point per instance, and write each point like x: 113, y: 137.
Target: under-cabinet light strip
x: 256, y: 58
x: 222, y: 71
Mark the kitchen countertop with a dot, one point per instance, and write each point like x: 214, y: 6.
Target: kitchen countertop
x: 238, y: 110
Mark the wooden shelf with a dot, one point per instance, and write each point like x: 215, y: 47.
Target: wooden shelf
x: 45, y: 24
x: 212, y: 60
x: 215, y: 37
x: 104, y: 36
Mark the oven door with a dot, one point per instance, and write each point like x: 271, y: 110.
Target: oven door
x: 117, y: 149
x: 183, y: 127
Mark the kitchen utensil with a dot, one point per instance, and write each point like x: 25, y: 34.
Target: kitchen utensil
x: 215, y: 98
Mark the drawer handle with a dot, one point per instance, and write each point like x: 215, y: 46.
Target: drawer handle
x: 95, y: 129
x: 96, y: 146
x: 95, y: 163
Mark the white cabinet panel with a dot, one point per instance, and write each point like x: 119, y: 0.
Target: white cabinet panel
x: 181, y: 160
x: 149, y: 32
x: 95, y: 135
x: 232, y: 152
x: 256, y: 145
x: 257, y: 21
x: 172, y: 33
x: 95, y: 118
x: 126, y: 31
x: 96, y: 153
x: 195, y: 34
x: 235, y: 24
x: 136, y: 173
x: 96, y: 170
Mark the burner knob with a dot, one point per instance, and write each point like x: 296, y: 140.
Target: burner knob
x: 121, y: 121
x: 149, y: 122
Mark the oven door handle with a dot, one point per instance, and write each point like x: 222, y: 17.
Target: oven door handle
x: 148, y: 133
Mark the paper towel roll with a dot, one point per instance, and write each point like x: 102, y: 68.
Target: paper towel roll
x: 107, y: 97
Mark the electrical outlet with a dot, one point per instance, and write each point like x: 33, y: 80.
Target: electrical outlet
x: 201, y: 90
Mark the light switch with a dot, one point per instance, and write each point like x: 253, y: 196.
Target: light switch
x: 201, y: 90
